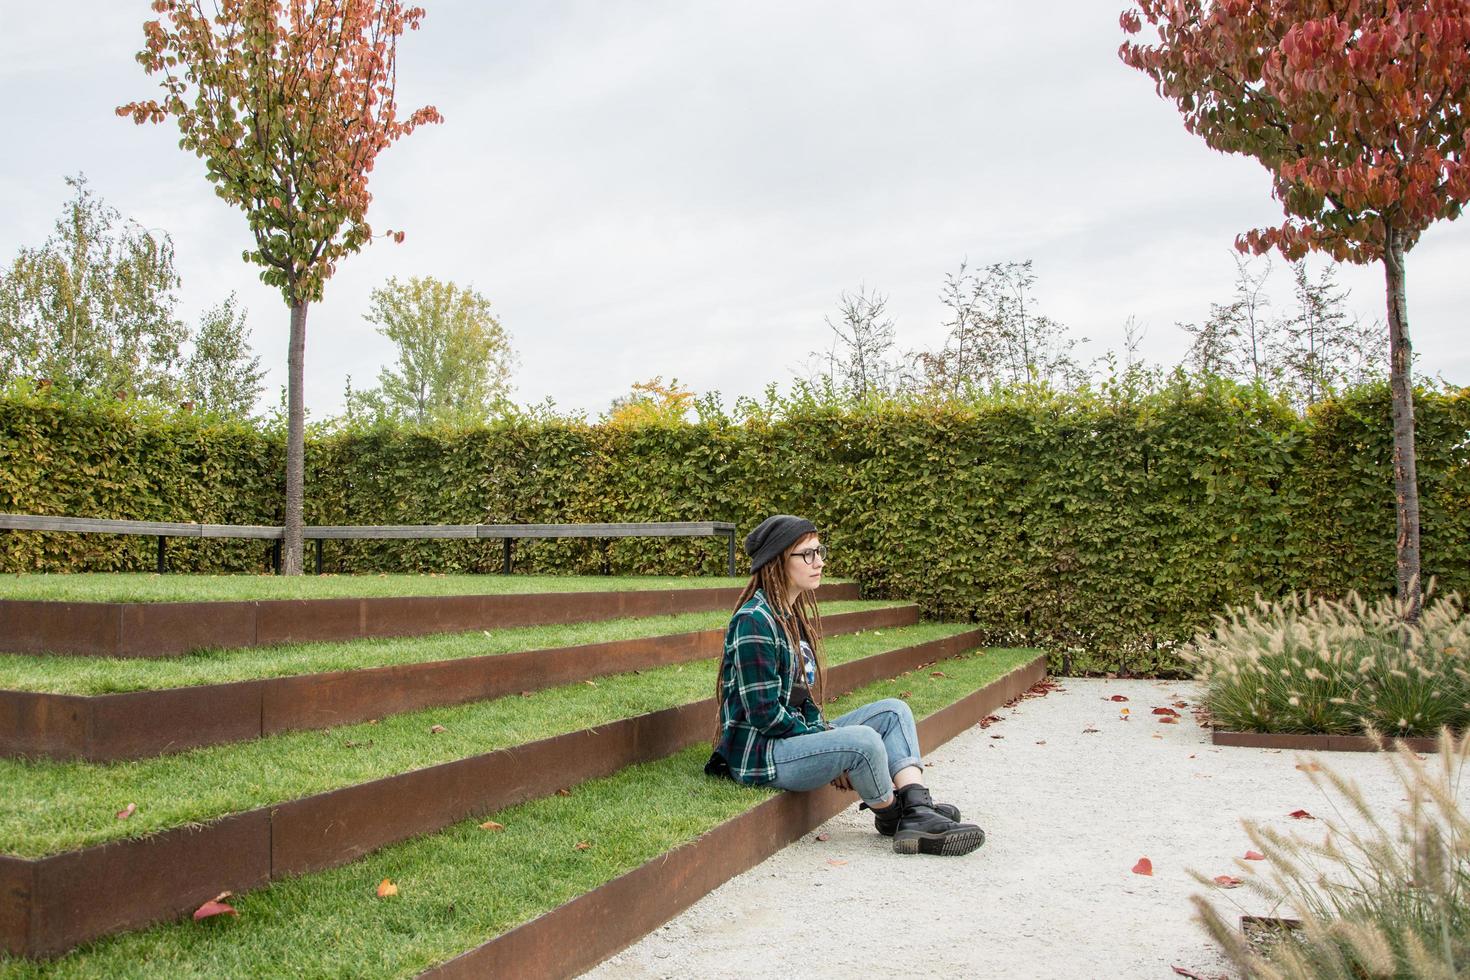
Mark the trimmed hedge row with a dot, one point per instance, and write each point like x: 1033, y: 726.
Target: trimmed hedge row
x: 1107, y: 528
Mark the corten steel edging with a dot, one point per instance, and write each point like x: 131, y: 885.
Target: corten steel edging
x: 79, y: 895
x: 616, y: 915
x: 138, y: 724
x: 1320, y: 743
x: 67, y: 899
x: 162, y: 629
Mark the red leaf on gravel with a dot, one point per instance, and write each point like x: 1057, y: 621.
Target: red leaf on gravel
x: 1181, y: 704
x: 1301, y: 815
x: 1166, y: 720
x: 1166, y: 711
x: 824, y: 837
x: 212, y: 908
x: 1254, y: 856
x: 1186, y: 973
x: 1227, y: 881
x: 1144, y: 867
x: 127, y: 811
x: 997, y: 736
x: 1117, y: 697
x: 1309, y: 766
x: 836, y: 862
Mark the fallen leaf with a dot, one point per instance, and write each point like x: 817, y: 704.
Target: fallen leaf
x: 1254, y: 856
x: 590, y: 683
x: 1158, y: 736
x: 582, y: 845
x: 525, y: 694
x: 1181, y: 704
x: 372, y: 721
x: 906, y: 694
x: 937, y: 673
x: 213, y: 908
x: 997, y: 736
x: 1042, y: 742
x: 486, y: 632
x: 1309, y: 766
x: 126, y: 811
x: 1186, y: 973
x: 1166, y: 720
x: 1191, y: 755
x: 1144, y: 867
x: 386, y: 888
x: 836, y: 862
x: 1089, y: 730
x: 350, y: 744
x: 1301, y: 815
x: 1166, y: 711
x: 492, y: 825
x: 824, y: 836
x: 437, y: 730
x: 563, y: 792
x: 1227, y: 881
x: 1125, y: 711
x: 1117, y: 697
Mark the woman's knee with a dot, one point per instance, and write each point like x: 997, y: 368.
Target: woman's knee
x: 898, y: 706
x: 869, y: 744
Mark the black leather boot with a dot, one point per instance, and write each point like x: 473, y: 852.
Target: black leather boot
x: 886, y: 821
x: 924, y: 830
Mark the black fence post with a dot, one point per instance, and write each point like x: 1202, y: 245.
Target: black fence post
x: 505, y: 568
x: 731, y: 565
x: 162, y: 551
x: 276, y: 556
x: 318, y: 556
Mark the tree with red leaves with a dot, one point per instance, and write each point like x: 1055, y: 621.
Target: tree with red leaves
x: 288, y: 104
x: 1359, y: 109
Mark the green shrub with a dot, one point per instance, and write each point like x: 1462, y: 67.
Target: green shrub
x: 1372, y: 901
x: 1313, y: 665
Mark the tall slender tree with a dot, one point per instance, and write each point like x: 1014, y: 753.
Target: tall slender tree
x: 289, y: 105
x: 1359, y: 109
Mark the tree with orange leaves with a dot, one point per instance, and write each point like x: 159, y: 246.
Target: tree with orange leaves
x: 1360, y: 109
x: 288, y: 104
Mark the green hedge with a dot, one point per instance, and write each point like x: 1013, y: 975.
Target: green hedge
x: 1106, y: 527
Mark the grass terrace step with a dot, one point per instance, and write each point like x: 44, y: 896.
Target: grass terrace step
x: 112, y: 709
x: 147, y: 587
x: 53, y: 806
x: 59, y: 674
x: 52, y: 904
x: 464, y: 885
x: 161, y: 629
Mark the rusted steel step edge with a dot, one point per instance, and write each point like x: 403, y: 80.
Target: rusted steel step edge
x: 615, y: 915
x: 139, y: 724
x: 1298, y: 742
x: 165, y: 629
x: 66, y: 899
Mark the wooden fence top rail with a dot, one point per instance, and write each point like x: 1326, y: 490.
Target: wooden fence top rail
x: 26, y: 522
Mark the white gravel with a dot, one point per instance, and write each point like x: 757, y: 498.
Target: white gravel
x: 1051, y: 894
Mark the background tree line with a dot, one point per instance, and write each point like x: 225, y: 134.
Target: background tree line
x: 997, y: 336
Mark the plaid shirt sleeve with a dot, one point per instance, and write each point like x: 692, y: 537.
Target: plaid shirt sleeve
x: 755, y: 689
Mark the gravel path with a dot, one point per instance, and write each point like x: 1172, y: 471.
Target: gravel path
x: 1068, y: 812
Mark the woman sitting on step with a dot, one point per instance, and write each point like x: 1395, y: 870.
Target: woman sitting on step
x: 771, y: 730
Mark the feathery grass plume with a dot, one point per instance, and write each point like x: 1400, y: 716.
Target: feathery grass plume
x: 1307, y: 664
x: 1372, y: 900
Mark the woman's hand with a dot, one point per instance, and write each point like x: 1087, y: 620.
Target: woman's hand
x: 843, y: 783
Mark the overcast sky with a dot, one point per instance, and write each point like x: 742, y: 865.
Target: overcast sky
x: 684, y: 188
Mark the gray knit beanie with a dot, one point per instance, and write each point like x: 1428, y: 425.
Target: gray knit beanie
x: 774, y: 535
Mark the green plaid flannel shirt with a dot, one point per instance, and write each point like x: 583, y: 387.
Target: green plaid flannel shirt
x: 755, y: 692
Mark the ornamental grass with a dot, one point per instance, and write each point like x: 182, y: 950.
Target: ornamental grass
x: 1310, y: 665
x: 1369, y: 900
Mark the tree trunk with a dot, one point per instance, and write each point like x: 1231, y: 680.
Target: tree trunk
x: 1405, y: 479
x: 291, y: 563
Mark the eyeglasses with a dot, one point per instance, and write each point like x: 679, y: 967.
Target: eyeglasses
x: 811, y: 555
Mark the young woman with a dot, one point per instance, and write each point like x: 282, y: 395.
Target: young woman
x: 771, y: 730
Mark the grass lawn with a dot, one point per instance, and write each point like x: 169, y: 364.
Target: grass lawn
x: 110, y: 675
x: 50, y: 806
x: 463, y: 885
x: 151, y: 587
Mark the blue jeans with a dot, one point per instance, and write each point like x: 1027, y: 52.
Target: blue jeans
x: 869, y: 744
